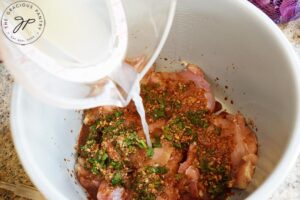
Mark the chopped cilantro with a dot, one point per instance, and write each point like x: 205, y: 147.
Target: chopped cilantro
x: 116, y: 165
x: 133, y: 140
x: 145, y: 88
x: 156, y: 170
x: 177, y: 145
x: 178, y: 177
x: 86, y: 149
x: 166, y: 129
x: 149, y: 98
x: 150, y: 152
x: 218, y: 188
x: 109, y: 129
x: 102, y: 158
x: 129, y: 141
x: 118, y: 113
x: 93, y: 128
x: 221, y: 169
x: 180, y: 124
x: 85, y: 166
x: 168, y: 137
x: 196, y: 118
x: 157, y: 184
x: 205, y: 124
x: 93, y: 134
x: 175, y: 104
x: 119, y: 122
x: 205, y: 166
x: 189, y: 131
x: 162, y: 103
x: 141, y: 143
x: 143, y: 195
x: 156, y: 85
x: 158, y: 113
x: 167, y: 134
x: 110, y: 117
x: 98, y: 161
x: 117, y: 179
x: 210, y: 151
x: 95, y: 170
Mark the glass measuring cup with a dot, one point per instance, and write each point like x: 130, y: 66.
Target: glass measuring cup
x: 79, y: 60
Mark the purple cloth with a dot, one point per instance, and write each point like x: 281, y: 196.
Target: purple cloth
x: 280, y: 11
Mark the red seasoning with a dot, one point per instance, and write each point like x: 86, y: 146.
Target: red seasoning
x: 195, y: 154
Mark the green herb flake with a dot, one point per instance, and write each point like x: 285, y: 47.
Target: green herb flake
x: 158, y: 113
x: 110, y: 117
x: 157, y: 170
x: 178, y: 177
x: 177, y: 145
x: 175, y: 104
x: 93, y: 132
x: 93, y: 128
x: 102, y: 158
x: 204, y: 124
x: 162, y: 103
x: 180, y: 124
x: 142, y: 144
x: 95, y: 170
x: 117, y: 179
x: 218, y: 189
x: 116, y: 165
x: 150, y: 152
x: 97, y: 162
x: 133, y: 140
x: 157, y: 184
x: 156, y: 85
x: 118, y: 113
x: 86, y: 149
x: 119, y: 122
x: 218, y: 130
x: 85, y: 166
x: 205, y: 166
x: 168, y: 137
x: 143, y: 195
x: 128, y: 142
x: 196, y: 118
x: 166, y: 129
x: 149, y: 99
x: 109, y: 129
x: 210, y: 152
x: 189, y: 131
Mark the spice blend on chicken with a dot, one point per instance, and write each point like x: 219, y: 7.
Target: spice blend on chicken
x: 196, y: 153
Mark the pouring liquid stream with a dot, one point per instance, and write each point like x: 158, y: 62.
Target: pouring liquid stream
x: 141, y: 110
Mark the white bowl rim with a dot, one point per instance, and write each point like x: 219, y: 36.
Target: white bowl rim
x: 35, y: 174
x: 292, y: 151
x: 262, y: 192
